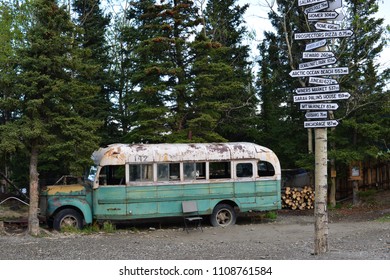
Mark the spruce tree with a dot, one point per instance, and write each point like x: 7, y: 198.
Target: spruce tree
x: 225, y: 26
x: 52, y: 122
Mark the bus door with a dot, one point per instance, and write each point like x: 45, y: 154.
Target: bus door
x: 110, y: 196
x: 245, y: 185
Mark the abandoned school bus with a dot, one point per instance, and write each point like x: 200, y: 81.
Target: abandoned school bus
x: 141, y: 181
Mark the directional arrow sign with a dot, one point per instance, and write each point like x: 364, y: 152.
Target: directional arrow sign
x: 320, y: 72
x: 326, y: 26
x: 315, y: 45
x: 319, y: 106
x: 321, y: 97
x: 318, y: 7
x: 333, y: 5
x: 322, y: 15
x: 328, y: 123
x: 316, y: 63
x: 308, y: 2
x: 317, y: 55
x: 316, y: 115
x: 309, y: 90
x: 322, y: 81
x: 323, y: 34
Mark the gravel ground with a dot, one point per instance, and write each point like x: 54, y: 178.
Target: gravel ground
x: 352, y: 236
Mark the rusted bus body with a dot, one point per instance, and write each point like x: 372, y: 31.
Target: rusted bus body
x: 141, y: 181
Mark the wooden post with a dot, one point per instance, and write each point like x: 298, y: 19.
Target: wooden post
x: 321, y: 189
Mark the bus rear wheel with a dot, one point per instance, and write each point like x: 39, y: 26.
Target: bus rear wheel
x: 223, y: 215
x: 67, y: 218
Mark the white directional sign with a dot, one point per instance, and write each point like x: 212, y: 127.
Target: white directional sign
x: 308, y: 2
x: 321, y: 97
x: 333, y: 5
x: 310, y: 90
x: 315, y: 45
x: 327, y: 123
x: 317, y: 7
x: 317, y: 55
x: 327, y: 26
x: 323, y: 34
x: 316, y: 115
x: 320, y: 72
x: 321, y: 81
x: 317, y: 63
x: 319, y: 106
x: 322, y: 15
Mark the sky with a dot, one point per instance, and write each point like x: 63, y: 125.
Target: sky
x: 257, y: 20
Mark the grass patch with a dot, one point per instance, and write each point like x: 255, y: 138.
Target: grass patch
x: 384, y: 219
x: 272, y: 215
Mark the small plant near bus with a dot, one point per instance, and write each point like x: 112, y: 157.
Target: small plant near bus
x: 384, y: 219
x: 108, y: 227
x: 271, y: 215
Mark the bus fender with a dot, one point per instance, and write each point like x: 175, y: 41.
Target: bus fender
x: 75, y: 203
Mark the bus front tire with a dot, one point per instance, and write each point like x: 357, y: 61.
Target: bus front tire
x: 67, y: 218
x: 223, y: 215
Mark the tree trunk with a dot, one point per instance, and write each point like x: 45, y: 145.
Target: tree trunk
x: 355, y: 193
x: 33, y: 222
x: 321, y: 189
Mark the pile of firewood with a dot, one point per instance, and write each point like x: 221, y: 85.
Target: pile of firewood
x: 302, y: 199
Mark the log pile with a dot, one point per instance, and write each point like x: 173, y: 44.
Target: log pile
x: 302, y: 199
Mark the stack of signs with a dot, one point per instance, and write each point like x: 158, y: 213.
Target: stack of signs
x: 318, y: 68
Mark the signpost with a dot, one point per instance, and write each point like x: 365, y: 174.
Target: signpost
x: 308, y: 2
x: 327, y: 26
x: 323, y: 34
x: 316, y: 124
x: 308, y: 90
x: 315, y: 45
x: 320, y: 72
x: 317, y: 55
x: 317, y: 7
x: 321, y: 97
x: 319, y: 11
x: 319, y: 106
x: 321, y: 81
x: 316, y: 115
x: 316, y: 63
x: 322, y: 15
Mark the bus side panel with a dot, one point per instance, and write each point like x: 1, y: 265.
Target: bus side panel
x: 109, y: 201
x: 244, y: 192
x: 268, y: 194
x: 142, y: 201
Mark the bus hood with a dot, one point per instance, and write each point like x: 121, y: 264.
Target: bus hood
x: 58, y: 190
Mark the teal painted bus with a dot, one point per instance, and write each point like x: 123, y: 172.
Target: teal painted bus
x: 144, y: 181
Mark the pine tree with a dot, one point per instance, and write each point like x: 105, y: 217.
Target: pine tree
x: 233, y: 90
x: 161, y: 67
x: 93, y: 24
x: 52, y: 122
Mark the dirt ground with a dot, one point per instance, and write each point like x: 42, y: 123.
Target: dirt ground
x: 355, y: 232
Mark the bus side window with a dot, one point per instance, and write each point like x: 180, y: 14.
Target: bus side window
x: 194, y: 171
x: 168, y: 172
x: 244, y: 170
x: 220, y: 170
x: 112, y: 175
x: 141, y: 172
x: 264, y: 168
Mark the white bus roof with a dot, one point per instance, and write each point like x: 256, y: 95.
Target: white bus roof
x: 117, y: 154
